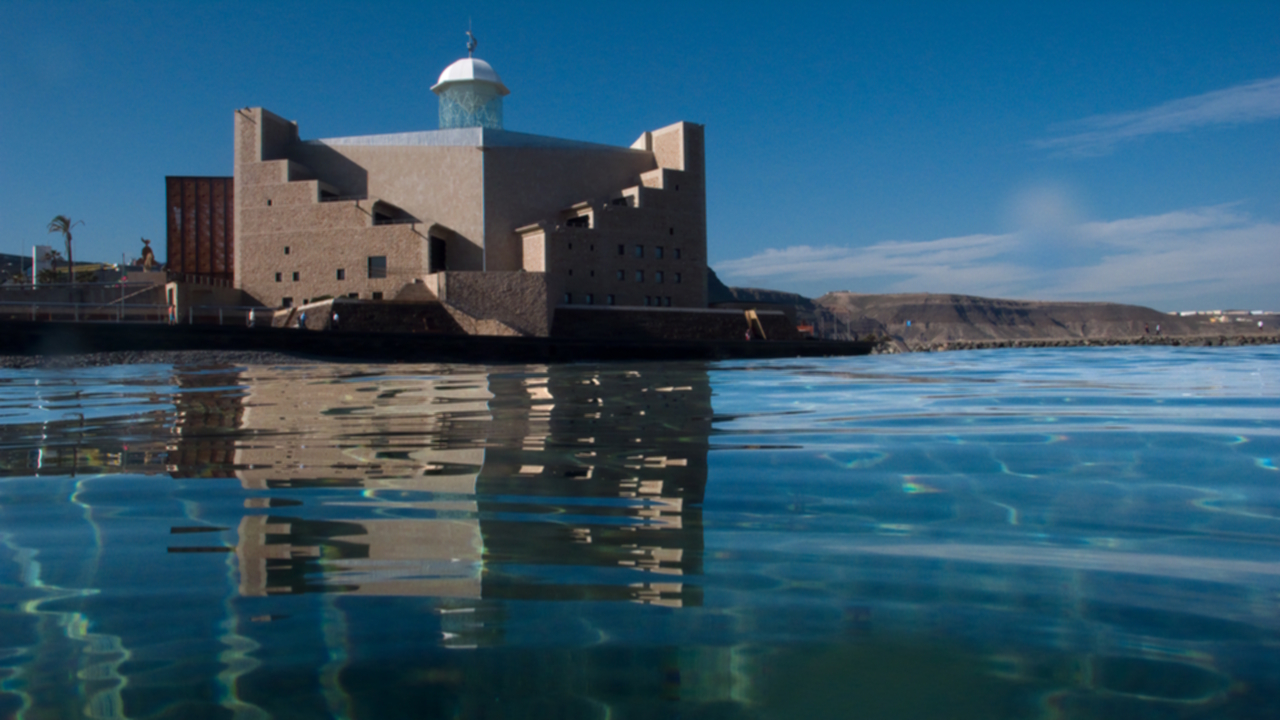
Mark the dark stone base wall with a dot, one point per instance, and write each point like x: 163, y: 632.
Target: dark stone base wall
x: 611, y: 324
x: 56, y: 338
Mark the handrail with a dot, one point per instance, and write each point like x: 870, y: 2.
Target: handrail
x: 88, y: 306
x: 119, y: 313
x: 28, y: 287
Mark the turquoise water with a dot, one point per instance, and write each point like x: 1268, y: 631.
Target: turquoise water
x: 1068, y: 533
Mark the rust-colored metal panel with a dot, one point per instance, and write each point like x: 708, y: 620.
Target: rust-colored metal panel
x: 191, y: 254
x: 200, y: 229
x: 203, y: 229
x: 173, y: 220
x: 218, y: 227
x: 228, y: 214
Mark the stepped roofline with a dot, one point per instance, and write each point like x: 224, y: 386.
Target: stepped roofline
x: 469, y: 137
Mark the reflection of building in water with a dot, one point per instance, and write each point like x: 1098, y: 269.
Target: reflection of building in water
x: 412, y: 446
x: 523, y: 475
x: 208, y: 413
x: 622, y: 464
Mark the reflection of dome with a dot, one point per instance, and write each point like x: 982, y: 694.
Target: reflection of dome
x: 470, y: 70
x: 470, y: 95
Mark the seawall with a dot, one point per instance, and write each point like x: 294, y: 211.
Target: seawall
x: 66, y: 338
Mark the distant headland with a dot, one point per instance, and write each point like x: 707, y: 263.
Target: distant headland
x: 915, y: 322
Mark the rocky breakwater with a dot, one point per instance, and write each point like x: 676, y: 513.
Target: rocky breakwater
x: 1173, y: 341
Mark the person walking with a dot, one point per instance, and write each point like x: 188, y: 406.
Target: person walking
x: 333, y: 322
x: 302, y: 320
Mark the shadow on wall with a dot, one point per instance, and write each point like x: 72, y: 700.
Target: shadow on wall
x: 333, y: 167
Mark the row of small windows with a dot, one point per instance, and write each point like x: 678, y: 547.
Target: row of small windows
x: 658, y: 251
x: 377, y: 269
x: 288, y: 301
x: 658, y: 276
x: 590, y: 299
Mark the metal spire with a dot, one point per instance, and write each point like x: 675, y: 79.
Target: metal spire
x: 471, y: 43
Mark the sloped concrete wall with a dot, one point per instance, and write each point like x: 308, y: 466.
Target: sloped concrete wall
x: 520, y: 300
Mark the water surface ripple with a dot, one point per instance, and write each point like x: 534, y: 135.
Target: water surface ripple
x: 1035, y: 533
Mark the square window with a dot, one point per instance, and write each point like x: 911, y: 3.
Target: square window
x: 646, y: 300
x: 286, y: 249
x: 677, y: 251
x: 593, y: 273
x: 608, y: 299
x: 621, y: 275
x: 568, y: 298
x: 570, y: 246
x: 671, y: 231
x: 279, y: 277
x: 570, y: 271
x: 639, y: 251
x: 286, y: 302
x: 677, y: 278
x: 353, y: 296
x: 657, y: 276
x: 590, y: 299
x: 295, y: 277
x: 667, y: 301
x: 377, y: 296
x: 622, y: 249
x: 657, y: 252
x: 377, y: 266
x: 639, y: 276
x: 342, y: 274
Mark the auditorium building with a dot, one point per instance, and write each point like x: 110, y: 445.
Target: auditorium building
x: 467, y: 229
x: 499, y: 225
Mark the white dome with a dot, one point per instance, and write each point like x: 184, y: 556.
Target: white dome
x: 470, y: 69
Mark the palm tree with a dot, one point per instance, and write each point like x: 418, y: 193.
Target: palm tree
x: 63, y: 224
x: 53, y: 256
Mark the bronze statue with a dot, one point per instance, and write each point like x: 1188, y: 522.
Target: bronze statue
x: 148, y: 256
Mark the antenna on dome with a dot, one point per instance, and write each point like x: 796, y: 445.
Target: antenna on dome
x: 471, y: 39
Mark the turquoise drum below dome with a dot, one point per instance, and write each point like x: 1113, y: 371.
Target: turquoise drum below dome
x: 468, y: 105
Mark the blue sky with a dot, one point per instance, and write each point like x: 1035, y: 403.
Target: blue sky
x: 1076, y: 151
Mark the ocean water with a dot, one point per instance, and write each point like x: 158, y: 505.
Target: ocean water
x: 1067, y: 533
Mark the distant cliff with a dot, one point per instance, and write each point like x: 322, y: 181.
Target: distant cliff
x: 948, y: 320
x: 966, y: 320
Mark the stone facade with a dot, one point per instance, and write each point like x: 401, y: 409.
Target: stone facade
x: 513, y: 225
x: 644, y: 245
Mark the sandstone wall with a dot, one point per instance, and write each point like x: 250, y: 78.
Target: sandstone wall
x: 520, y: 300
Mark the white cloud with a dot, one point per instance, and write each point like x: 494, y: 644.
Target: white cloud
x: 1166, y: 260
x: 1098, y: 135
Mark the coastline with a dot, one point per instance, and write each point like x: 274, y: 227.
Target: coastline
x: 897, y: 345
x: 46, y: 344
